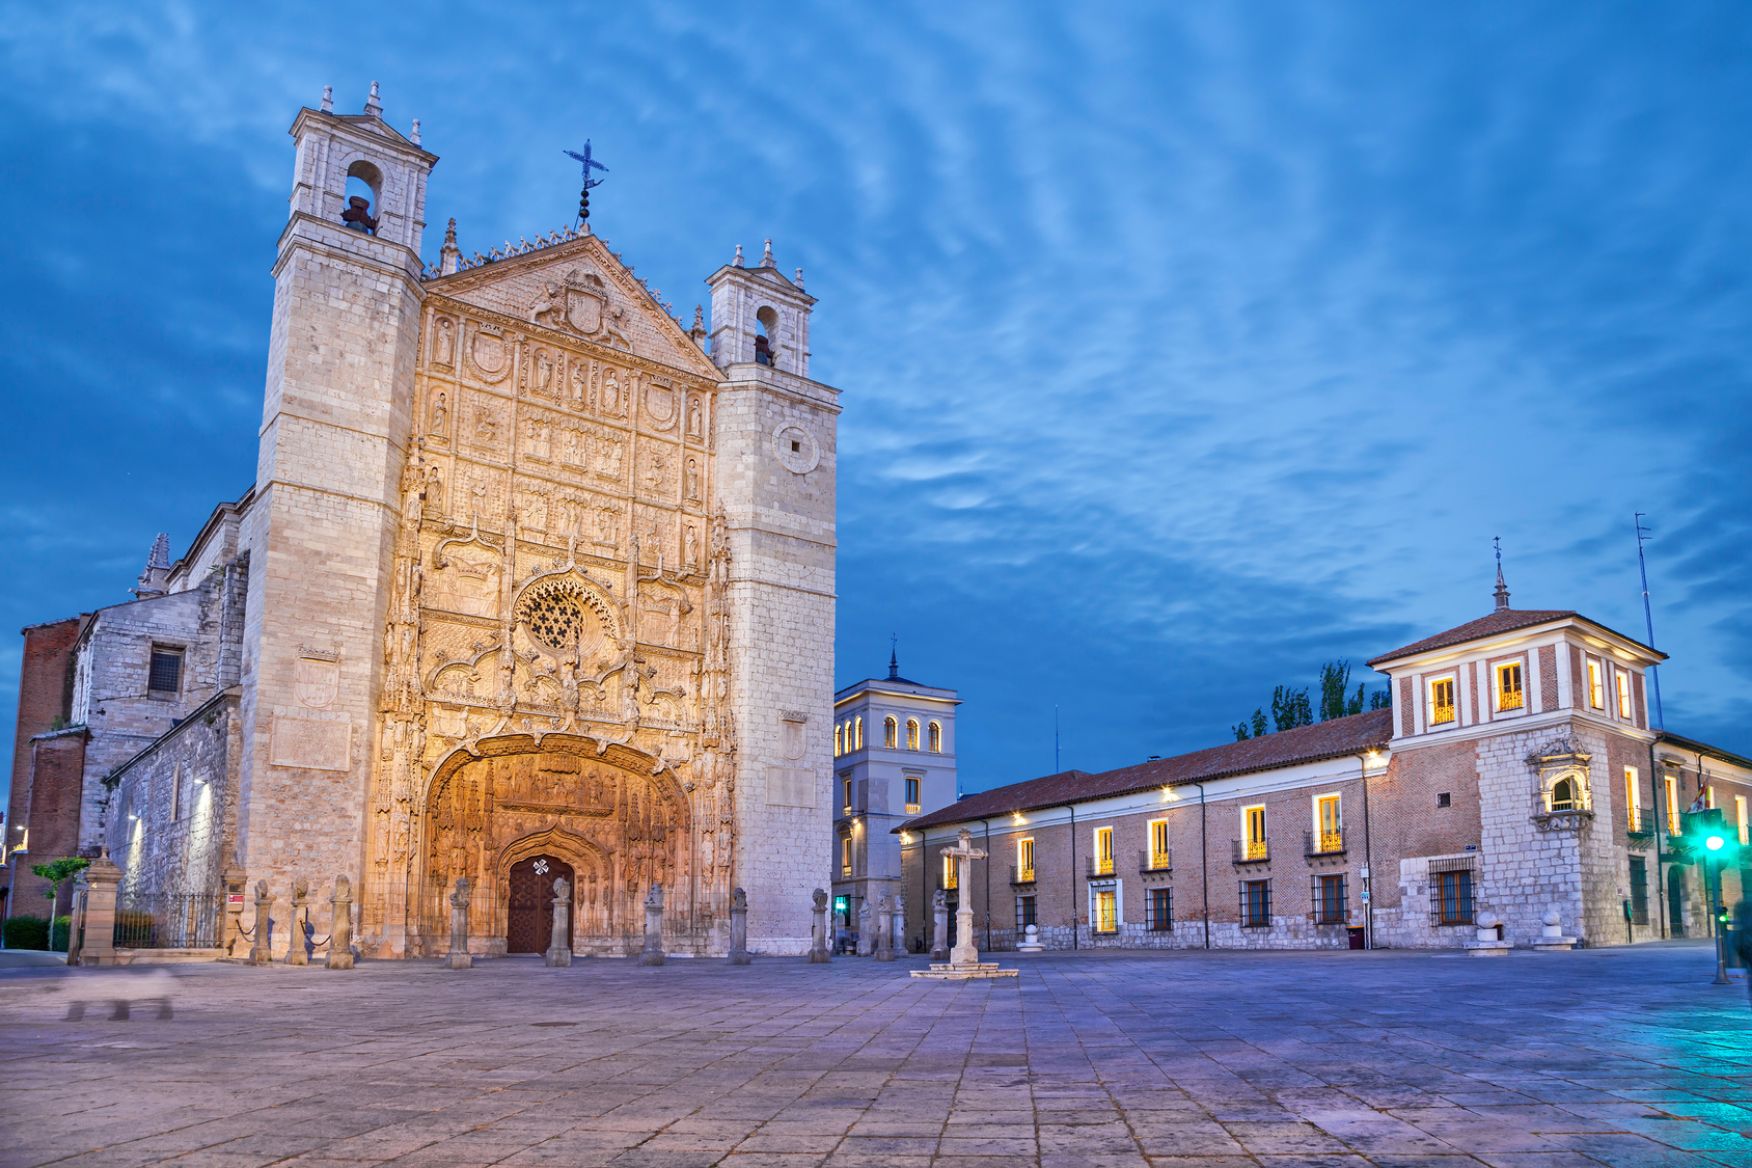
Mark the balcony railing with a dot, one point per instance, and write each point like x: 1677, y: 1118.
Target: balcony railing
x: 1100, y: 865
x: 1252, y: 852
x: 1441, y: 715
x: 1021, y: 875
x: 912, y: 808
x: 1154, y: 861
x: 1324, y: 843
x: 1641, y: 828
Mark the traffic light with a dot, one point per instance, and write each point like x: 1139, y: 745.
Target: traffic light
x: 1708, y: 835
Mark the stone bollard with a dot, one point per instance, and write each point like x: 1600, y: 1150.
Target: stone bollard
x: 340, y: 948
x: 739, y: 928
x: 296, y: 951
x: 259, y: 951
x: 1030, y: 942
x: 98, y: 884
x: 559, y: 950
x: 652, y: 953
x: 884, y: 929
x: 820, y: 945
x: 1552, y: 926
x: 939, y: 925
x: 866, y: 930
x: 458, y: 957
x: 899, y: 927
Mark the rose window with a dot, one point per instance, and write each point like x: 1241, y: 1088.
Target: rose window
x: 555, y: 615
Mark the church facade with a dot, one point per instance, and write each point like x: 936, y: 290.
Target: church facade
x: 533, y: 581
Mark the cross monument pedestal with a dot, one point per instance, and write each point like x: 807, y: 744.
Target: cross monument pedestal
x: 964, y: 963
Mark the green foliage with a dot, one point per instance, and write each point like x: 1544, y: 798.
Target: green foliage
x: 26, y: 932
x: 1294, y: 707
x: 1290, y: 708
x: 58, y: 872
x: 59, y: 932
x: 1258, y: 721
x: 1381, y: 699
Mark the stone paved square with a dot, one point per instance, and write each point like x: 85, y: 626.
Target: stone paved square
x: 1396, y: 1059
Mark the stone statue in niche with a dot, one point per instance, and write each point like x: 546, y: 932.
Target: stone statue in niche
x: 486, y: 428
x: 440, y: 416
x: 693, y: 482
x: 605, y: 527
x: 690, y: 548
x: 445, y: 349
x: 695, y: 427
x: 581, y: 397
x: 434, y: 491
x: 611, y: 394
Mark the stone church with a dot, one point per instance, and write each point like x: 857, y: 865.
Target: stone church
x: 533, y: 580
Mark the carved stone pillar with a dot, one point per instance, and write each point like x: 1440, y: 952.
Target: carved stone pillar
x: 97, y: 887
x: 259, y: 951
x: 458, y: 957
x: 884, y: 929
x: 939, y: 925
x: 340, y: 951
x: 296, y: 951
x: 559, y: 950
x: 652, y: 954
x: 739, y: 928
x: 820, y: 944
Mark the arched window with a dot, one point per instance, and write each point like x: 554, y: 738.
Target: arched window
x: 1563, y: 795
x: 839, y: 741
x: 935, y: 737
x: 890, y: 733
x: 859, y: 724
x: 912, y: 733
x: 766, y: 335
x: 364, y: 192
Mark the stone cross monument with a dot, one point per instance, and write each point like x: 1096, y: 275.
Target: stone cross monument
x: 964, y: 962
x: 559, y: 950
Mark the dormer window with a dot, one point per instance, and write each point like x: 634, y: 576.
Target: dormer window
x: 1510, y: 694
x: 1441, y: 700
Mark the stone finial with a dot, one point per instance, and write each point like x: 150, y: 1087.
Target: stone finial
x: 373, y: 105
x: 1502, y: 589
x: 157, y: 571
x: 799, y: 280
x: 449, y: 256
x: 766, y: 255
x: 414, y: 132
x: 699, y: 323
x: 737, y: 262
x: 328, y: 99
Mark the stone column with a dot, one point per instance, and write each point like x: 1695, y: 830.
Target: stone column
x: 899, y: 929
x: 340, y: 951
x: 739, y: 928
x: 458, y: 957
x: 98, y: 884
x: 559, y: 950
x: 939, y: 925
x: 884, y: 929
x: 652, y: 954
x: 296, y: 937
x: 866, y: 929
x: 821, y: 944
x: 259, y: 952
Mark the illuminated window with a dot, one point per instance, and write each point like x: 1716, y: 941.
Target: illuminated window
x: 1563, y: 796
x: 1441, y: 701
x: 845, y: 855
x: 1596, y: 686
x: 912, y: 733
x: 912, y: 794
x: 934, y: 736
x: 839, y: 741
x: 1328, y: 824
x: 1025, y: 860
x: 846, y: 793
x: 857, y: 734
x: 1102, y: 862
x: 1158, y: 844
x: 890, y: 733
x: 1510, y: 694
x: 1622, y: 680
x: 1740, y: 818
x: 1253, y: 833
x: 1632, y: 800
x: 1670, y: 784
x: 1709, y: 797
x: 1104, y: 910
x: 950, y: 882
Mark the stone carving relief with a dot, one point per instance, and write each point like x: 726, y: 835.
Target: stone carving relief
x: 490, y: 353
x: 444, y: 342
x: 581, y: 304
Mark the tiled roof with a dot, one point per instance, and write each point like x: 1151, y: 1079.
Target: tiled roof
x: 1502, y: 621
x: 1333, y: 739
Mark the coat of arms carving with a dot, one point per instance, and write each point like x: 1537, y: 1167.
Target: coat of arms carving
x: 579, y: 305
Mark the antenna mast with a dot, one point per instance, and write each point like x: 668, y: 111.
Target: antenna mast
x: 1642, y: 564
x: 1055, y: 739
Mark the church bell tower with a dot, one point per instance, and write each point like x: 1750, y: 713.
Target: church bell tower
x: 335, y: 427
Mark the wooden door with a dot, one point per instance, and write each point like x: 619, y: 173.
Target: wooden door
x: 530, y: 919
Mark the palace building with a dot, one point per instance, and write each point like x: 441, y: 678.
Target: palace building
x: 1515, y: 783
x: 533, y: 580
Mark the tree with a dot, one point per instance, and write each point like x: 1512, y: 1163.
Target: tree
x: 1293, y: 707
x: 57, y: 873
x: 1257, y: 724
x: 1290, y: 708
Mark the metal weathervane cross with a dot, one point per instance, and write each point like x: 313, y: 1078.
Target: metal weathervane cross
x: 586, y: 164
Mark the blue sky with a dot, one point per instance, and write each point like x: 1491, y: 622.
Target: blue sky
x: 1180, y: 351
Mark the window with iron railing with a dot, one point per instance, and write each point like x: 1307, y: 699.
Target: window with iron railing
x: 1328, y: 897
x: 1510, y: 693
x: 1024, y: 872
x: 1104, y: 911
x: 1256, y: 904
x: 1441, y: 703
x: 1159, y: 910
x: 1451, y: 888
x: 1101, y: 863
x: 1159, y: 852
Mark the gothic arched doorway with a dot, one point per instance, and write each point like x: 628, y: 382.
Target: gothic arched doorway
x: 529, y: 915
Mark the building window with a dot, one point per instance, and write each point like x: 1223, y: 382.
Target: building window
x: 934, y: 736
x: 1562, y: 796
x: 1025, y: 860
x: 857, y: 733
x: 1596, y: 686
x: 1451, y: 894
x: 839, y: 741
x: 912, y: 794
x: 1159, y: 910
x: 1025, y: 913
x: 1510, y: 693
x: 890, y: 733
x: 1329, y: 828
x: 1104, y: 911
x: 1632, y: 801
x: 845, y: 855
x: 164, y: 675
x: 1159, y: 857
x: 950, y: 883
x: 1671, y: 789
x: 912, y: 733
x: 1253, y: 845
x: 1740, y: 817
x: 1639, y: 891
x: 1622, y: 680
x: 1441, y: 701
x: 846, y: 793
x: 1329, y: 900
x: 1256, y: 904
x: 1101, y: 863
x: 1444, y: 799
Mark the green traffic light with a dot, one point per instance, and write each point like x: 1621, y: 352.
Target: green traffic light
x: 1715, y: 843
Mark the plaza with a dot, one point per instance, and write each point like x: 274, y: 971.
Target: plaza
x: 1614, y: 1056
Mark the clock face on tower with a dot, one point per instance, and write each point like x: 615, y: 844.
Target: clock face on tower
x: 796, y: 448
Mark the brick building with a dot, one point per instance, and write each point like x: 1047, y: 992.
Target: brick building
x: 1515, y: 776
x: 534, y: 580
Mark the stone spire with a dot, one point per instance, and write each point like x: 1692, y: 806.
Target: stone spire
x: 157, y: 571
x: 1502, y: 588
x: 449, y: 256
x: 893, y: 657
x: 373, y: 106
x: 414, y: 131
x: 799, y: 280
x: 328, y: 99
x: 766, y: 256
x: 698, y: 331
x: 737, y: 262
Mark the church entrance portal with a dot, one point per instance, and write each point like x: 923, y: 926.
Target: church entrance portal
x: 530, y: 919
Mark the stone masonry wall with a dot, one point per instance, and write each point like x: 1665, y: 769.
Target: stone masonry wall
x: 174, y: 807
